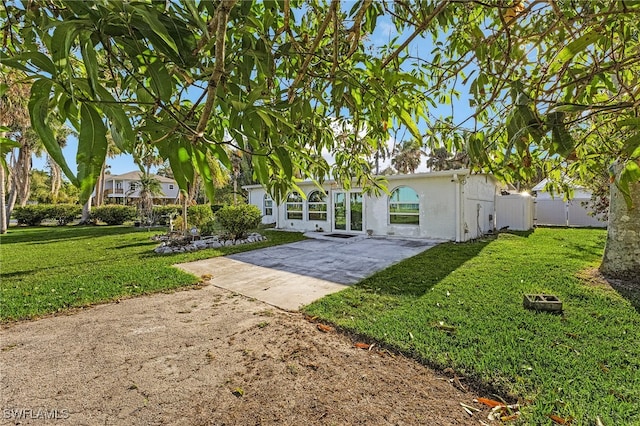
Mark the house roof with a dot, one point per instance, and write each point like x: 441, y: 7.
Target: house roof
x: 136, y: 175
x: 461, y: 172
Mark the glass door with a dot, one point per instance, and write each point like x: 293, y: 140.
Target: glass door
x: 339, y: 211
x: 348, y: 211
x: 355, y: 211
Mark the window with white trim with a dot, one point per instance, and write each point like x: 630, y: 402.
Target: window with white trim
x: 404, y: 207
x: 294, y: 206
x: 267, y: 205
x: 317, y: 206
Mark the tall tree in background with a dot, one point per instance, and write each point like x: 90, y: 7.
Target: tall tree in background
x: 14, y: 116
x: 407, y: 156
x: 548, y: 82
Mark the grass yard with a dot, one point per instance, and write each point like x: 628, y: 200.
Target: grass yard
x: 48, y: 269
x: 460, y: 306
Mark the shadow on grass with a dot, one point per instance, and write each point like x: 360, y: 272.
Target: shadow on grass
x: 44, y: 234
x: 139, y: 244
x: 628, y: 290
x: 423, y: 271
x: 524, y: 234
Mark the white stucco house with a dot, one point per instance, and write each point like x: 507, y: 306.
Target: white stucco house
x: 125, y: 188
x: 449, y: 205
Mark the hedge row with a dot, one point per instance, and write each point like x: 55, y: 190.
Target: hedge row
x: 33, y: 215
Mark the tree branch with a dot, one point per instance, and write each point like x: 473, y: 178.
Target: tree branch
x: 416, y: 33
x: 314, y: 47
x: 222, y: 18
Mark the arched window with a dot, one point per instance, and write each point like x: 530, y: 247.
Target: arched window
x: 317, y: 206
x: 404, y: 206
x: 267, y: 205
x: 294, y: 206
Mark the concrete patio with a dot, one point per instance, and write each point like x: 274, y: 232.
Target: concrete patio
x: 293, y: 275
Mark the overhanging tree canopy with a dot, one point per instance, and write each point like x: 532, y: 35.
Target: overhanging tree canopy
x: 553, y: 85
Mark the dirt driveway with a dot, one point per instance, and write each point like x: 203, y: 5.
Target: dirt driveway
x: 210, y: 357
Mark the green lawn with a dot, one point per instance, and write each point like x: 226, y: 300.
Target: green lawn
x: 48, y: 269
x: 460, y: 306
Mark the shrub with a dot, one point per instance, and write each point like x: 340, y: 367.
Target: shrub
x: 31, y: 215
x: 63, y: 213
x: 114, y: 214
x: 238, y: 220
x: 178, y: 224
x: 198, y: 215
x: 162, y: 213
x: 210, y: 228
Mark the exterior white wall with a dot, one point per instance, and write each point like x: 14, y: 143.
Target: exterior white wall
x: 437, y: 209
x: 256, y: 197
x: 478, y: 193
x: 515, y: 211
x: 447, y: 207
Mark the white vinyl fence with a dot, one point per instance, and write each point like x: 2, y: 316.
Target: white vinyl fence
x: 557, y: 212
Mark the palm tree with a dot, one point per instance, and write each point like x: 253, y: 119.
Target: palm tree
x: 407, y: 157
x: 14, y: 116
x: 438, y: 159
x: 149, y: 187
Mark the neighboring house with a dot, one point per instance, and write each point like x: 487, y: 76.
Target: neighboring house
x: 450, y: 205
x: 556, y: 211
x: 125, y: 188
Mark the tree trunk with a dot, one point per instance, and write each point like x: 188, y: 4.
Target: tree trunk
x: 86, y: 213
x: 99, y: 199
x: 19, y: 181
x: 622, y: 252
x: 184, y: 212
x: 4, y: 221
x: 56, y: 178
x: 22, y: 174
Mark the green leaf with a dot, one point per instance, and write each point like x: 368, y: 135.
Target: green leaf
x: 633, y: 122
x: 200, y: 159
x: 407, y: 120
x: 161, y: 81
x: 61, y: 41
x: 285, y: 161
x: 148, y: 16
x: 630, y: 176
x: 90, y: 59
x: 563, y: 143
x: 179, y: 154
x: 571, y: 50
x: 39, y: 111
x: 92, y: 149
x: 631, y: 146
x: 37, y: 59
x: 6, y: 145
x: 121, y: 130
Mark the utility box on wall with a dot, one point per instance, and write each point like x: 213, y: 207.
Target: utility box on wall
x: 515, y: 212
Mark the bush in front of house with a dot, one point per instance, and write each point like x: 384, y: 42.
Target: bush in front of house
x: 161, y: 214
x: 31, y: 215
x: 63, y: 213
x: 198, y: 215
x: 114, y: 214
x: 237, y: 221
x: 210, y: 228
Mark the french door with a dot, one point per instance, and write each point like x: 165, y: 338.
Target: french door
x: 348, y: 211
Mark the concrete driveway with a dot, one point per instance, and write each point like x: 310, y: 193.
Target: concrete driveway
x: 292, y: 275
